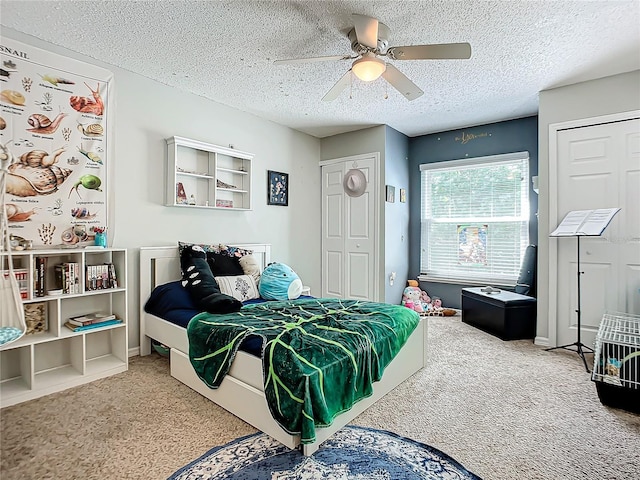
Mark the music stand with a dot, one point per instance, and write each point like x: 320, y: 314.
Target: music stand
x: 582, y: 223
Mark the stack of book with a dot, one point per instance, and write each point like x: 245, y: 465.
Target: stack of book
x: 89, y: 321
x: 68, y: 277
x: 99, y: 277
x: 22, y: 277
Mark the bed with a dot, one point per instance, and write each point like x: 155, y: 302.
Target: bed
x: 242, y: 391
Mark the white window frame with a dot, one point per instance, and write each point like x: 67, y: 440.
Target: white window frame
x: 480, y: 277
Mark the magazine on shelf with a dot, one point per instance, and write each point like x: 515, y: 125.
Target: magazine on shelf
x: 585, y: 222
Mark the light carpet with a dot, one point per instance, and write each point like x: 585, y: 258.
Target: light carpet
x: 356, y: 453
x: 504, y: 410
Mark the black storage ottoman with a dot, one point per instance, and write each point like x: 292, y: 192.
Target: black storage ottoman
x: 507, y: 315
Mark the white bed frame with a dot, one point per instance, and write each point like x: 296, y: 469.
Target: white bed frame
x: 241, y: 391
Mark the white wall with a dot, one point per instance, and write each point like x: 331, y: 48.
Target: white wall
x: 147, y: 112
x: 614, y: 94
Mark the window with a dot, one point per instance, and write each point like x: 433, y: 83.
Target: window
x: 475, y: 219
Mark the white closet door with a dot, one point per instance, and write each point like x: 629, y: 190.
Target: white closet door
x: 599, y: 167
x: 333, y: 231
x: 360, y: 238
x: 349, y: 226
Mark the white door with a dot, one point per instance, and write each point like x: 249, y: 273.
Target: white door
x: 598, y: 167
x: 349, y: 232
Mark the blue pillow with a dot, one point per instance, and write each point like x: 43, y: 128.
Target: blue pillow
x: 167, y: 297
x: 279, y: 282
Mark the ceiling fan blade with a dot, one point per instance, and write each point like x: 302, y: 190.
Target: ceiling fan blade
x: 313, y: 59
x: 366, y: 30
x: 440, y: 51
x: 337, y: 89
x: 400, y: 82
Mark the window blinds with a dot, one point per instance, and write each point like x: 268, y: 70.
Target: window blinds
x: 475, y: 218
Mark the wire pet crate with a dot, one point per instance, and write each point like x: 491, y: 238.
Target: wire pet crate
x: 616, y: 364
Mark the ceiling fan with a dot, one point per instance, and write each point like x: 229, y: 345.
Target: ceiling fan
x: 369, y: 41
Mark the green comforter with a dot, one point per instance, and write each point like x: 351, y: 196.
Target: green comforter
x: 320, y: 356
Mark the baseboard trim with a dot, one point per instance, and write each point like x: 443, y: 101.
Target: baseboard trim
x: 134, y: 351
x: 542, y: 341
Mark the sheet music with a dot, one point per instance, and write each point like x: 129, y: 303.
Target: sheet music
x: 585, y: 222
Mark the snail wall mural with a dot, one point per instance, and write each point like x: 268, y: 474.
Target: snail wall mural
x: 54, y: 130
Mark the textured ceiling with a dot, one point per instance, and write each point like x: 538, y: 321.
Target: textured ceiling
x: 224, y: 51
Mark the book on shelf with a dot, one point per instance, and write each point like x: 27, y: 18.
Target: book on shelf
x: 100, y: 277
x: 89, y: 277
x: 585, y: 222
x: 112, y: 276
x: 22, y: 278
x: 67, y: 276
x: 91, y: 318
x: 105, y: 323
x: 40, y: 286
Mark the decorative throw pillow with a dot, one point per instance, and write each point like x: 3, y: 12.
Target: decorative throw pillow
x: 250, y: 266
x: 241, y: 287
x: 202, y: 287
x: 224, y: 265
x: 222, y: 259
x: 279, y: 282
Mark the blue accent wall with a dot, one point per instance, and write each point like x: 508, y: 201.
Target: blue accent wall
x: 396, y: 215
x: 479, y: 141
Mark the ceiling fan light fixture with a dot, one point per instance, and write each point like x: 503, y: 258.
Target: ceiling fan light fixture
x: 368, y: 68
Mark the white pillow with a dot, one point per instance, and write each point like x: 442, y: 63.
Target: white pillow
x: 251, y: 267
x: 241, y: 287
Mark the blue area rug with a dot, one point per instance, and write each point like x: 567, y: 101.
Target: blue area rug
x: 351, y: 453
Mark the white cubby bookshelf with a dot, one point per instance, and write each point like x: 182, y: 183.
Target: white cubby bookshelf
x: 210, y: 176
x: 57, y: 358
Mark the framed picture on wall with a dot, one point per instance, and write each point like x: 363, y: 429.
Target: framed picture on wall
x: 277, y: 188
x: 391, y: 194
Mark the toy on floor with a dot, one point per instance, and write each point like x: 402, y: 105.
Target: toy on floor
x: 420, y: 301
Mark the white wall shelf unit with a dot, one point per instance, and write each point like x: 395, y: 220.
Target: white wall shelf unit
x: 202, y: 175
x: 54, y: 358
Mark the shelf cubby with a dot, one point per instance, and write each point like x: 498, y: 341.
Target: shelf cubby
x: 57, y: 358
x: 203, y: 175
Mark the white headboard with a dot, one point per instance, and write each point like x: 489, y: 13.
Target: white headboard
x: 160, y: 265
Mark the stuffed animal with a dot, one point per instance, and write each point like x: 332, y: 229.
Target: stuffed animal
x: 279, y: 282
x: 420, y: 301
x: 203, y: 289
x: 439, y: 310
x: 411, y: 299
x: 426, y: 300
